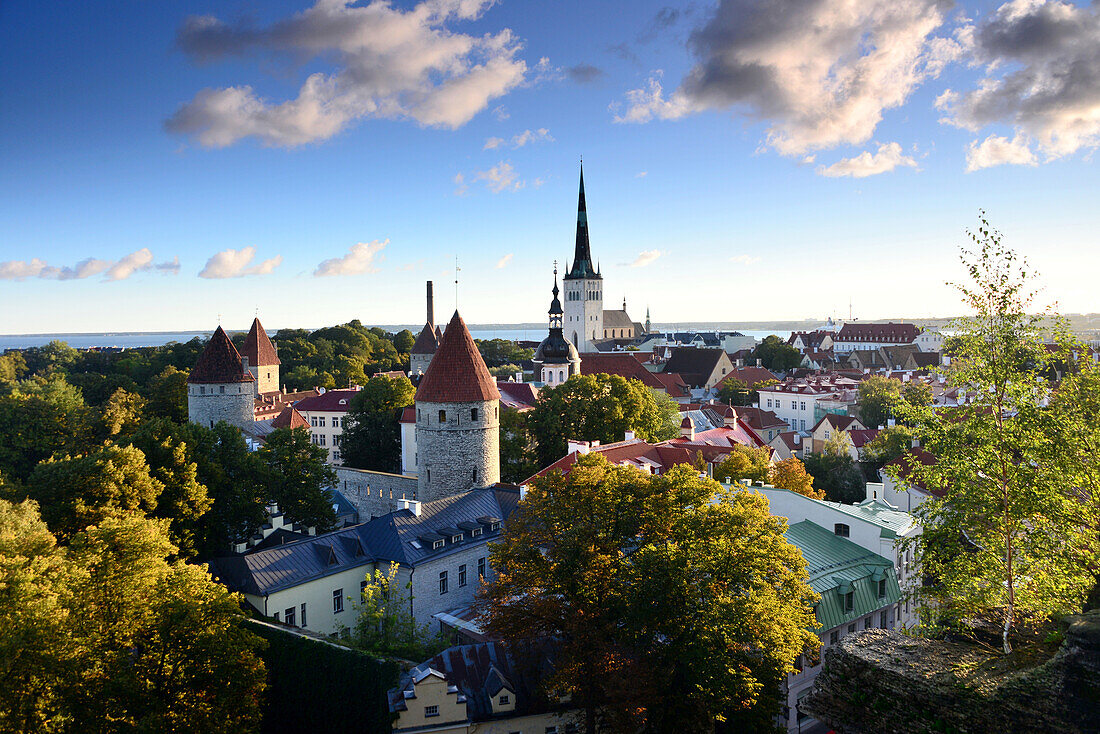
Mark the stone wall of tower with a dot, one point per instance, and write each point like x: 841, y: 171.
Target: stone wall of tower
x: 418, y: 363
x: 267, y: 378
x: 461, y: 452
x: 583, y: 309
x: 231, y: 402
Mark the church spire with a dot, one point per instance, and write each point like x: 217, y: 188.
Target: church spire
x: 582, y: 255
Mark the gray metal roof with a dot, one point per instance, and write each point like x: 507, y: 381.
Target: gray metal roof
x: 393, y: 537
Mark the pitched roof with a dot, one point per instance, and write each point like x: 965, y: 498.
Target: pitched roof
x: 904, y: 463
x: 258, y: 348
x: 890, y: 332
x: 616, y: 320
x: 289, y: 418
x: 634, y: 452
x: 427, y: 342
x: 337, y: 401
x: 860, y: 437
x: 748, y: 375
x: 759, y: 419
x: 694, y: 364
x: 839, y: 422
x: 517, y: 395
x: 623, y: 364
x: 457, y: 373
x: 219, y: 362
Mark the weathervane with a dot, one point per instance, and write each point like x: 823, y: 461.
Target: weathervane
x: 457, y: 271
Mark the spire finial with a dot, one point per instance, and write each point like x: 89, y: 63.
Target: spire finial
x: 457, y: 271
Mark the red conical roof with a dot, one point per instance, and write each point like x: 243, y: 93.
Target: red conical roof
x: 258, y: 348
x: 289, y: 418
x: 426, y: 343
x: 219, y: 362
x: 457, y: 373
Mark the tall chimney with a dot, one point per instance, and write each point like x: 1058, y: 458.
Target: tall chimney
x: 431, y: 306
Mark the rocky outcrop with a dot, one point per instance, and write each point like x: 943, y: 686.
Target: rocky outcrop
x: 883, y: 682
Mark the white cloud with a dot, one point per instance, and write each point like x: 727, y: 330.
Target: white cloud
x: 360, y: 259
x: 113, y: 270
x: 745, y: 259
x: 820, y: 72
x: 888, y: 157
x: 646, y: 257
x: 391, y: 63
x: 171, y: 267
x: 503, y: 262
x: 461, y: 187
x: 1042, y: 63
x: 500, y: 112
x: 641, y: 174
x: 520, y: 140
x: 237, y: 264
x: 996, y: 150
x: 501, y: 177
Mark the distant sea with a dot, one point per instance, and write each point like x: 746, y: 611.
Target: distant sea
x: 156, y: 339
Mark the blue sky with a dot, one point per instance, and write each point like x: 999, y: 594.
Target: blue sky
x: 164, y: 164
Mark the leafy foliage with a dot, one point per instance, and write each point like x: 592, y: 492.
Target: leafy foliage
x: 386, y: 626
x: 599, y: 408
x: 791, y: 474
x: 776, y: 355
x: 837, y: 476
x: 745, y: 462
x: 517, y: 447
x: 1014, y: 535
x: 737, y: 392
x: 372, y: 430
x: 498, y: 352
x: 298, y: 478
x: 889, y: 444
x: 641, y: 580
x: 878, y: 399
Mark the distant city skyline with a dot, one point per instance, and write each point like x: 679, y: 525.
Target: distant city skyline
x: 316, y: 162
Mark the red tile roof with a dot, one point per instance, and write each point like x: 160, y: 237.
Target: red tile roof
x: 903, y: 333
x: 623, y: 364
x: 457, y: 373
x: 914, y: 456
x: 219, y: 362
x: 862, y: 436
x: 664, y: 457
x: 839, y: 422
x: 289, y: 418
x: 759, y: 419
x: 517, y: 395
x: 336, y: 401
x: 427, y: 342
x: 258, y: 348
x: 408, y: 415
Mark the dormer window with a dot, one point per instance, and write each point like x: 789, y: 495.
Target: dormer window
x: 841, y: 530
x: 494, y: 527
x: 437, y: 544
x: 456, y: 538
x: 881, y: 588
x: 504, y: 699
x: 475, y: 532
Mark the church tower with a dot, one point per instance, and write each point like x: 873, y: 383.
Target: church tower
x: 220, y: 387
x: 583, y: 288
x: 556, y: 357
x: 262, y: 359
x: 457, y: 419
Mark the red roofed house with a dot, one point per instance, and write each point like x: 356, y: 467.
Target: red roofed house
x: 219, y: 387
x: 699, y: 368
x: 326, y: 414
x: 829, y: 426
x: 627, y: 365
x: 457, y: 419
x: 853, y: 336
x: 261, y: 359
x: 290, y: 418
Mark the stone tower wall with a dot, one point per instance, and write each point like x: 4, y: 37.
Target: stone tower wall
x: 448, y: 453
x: 418, y: 363
x: 231, y: 402
x: 267, y: 377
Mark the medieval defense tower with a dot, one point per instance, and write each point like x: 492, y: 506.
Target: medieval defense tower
x: 261, y: 359
x: 457, y: 419
x: 583, y: 288
x: 426, y: 343
x: 220, y: 387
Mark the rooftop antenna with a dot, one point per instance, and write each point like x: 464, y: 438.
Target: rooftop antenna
x: 457, y: 271
x: 849, y: 308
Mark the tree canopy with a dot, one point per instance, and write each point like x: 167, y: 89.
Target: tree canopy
x: 1012, y: 534
x: 372, y: 429
x: 599, y: 408
x: 776, y: 354
x: 640, y: 580
x: 738, y: 392
x: 837, y: 476
x: 878, y: 399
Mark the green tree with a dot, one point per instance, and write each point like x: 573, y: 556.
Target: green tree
x: 736, y: 392
x: 386, y: 626
x: 12, y: 368
x: 776, y: 355
x: 878, y: 399
x: 745, y: 462
x: 599, y: 408
x: 517, y: 447
x: 109, y: 636
x: 496, y: 352
x: 889, y: 444
x: 791, y: 474
x: 40, y: 417
x: 403, y: 341
x: 167, y: 395
x: 917, y: 392
x: 1011, y: 537
x: 372, y: 430
x: 640, y: 580
x: 837, y: 476
x: 297, y: 477
x: 124, y: 410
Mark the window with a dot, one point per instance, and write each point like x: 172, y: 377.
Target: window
x: 803, y: 407
x: 221, y: 389
x: 473, y: 474
x: 849, y: 601
x: 769, y: 402
x: 363, y: 588
x: 442, y: 416
x: 437, y: 544
x: 473, y: 414
x: 321, y: 440
x: 794, y: 405
x: 313, y: 421
x: 276, y: 616
x: 442, y: 582
x: 851, y: 628
x: 303, y: 614
x: 321, y: 421
x: 430, y: 711
x: 335, y: 455
x: 338, y: 601
x: 867, y: 623
x: 881, y: 588
x: 504, y: 699
x: 202, y: 390
x: 429, y: 475
x: 833, y: 637
x: 841, y: 529
x: 882, y: 620
x: 802, y: 425
x: 480, y: 569
x: 462, y: 575
x: 475, y: 532
x: 827, y: 434
x: 289, y: 614
x: 456, y: 538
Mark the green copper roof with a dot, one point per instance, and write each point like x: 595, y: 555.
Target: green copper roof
x: 837, y: 566
x: 892, y: 521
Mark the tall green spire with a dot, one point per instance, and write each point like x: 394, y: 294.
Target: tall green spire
x: 582, y: 254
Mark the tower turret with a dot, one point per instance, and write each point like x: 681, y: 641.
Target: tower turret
x: 556, y: 357
x: 583, y: 287
x: 263, y: 361
x: 220, y: 387
x: 420, y: 356
x: 457, y: 419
